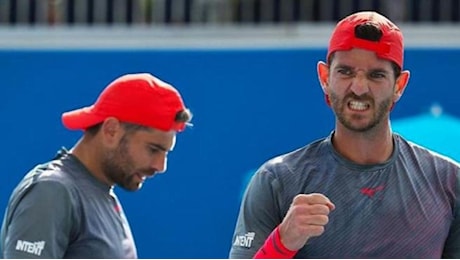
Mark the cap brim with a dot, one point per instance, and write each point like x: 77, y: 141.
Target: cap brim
x: 80, y: 118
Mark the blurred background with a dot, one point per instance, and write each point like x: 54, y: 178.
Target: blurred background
x: 189, y: 12
x: 247, y: 70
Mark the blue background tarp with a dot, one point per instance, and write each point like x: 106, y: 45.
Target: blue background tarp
x: 249, y: 106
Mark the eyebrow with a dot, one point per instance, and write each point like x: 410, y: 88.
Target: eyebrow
x: 159, y: 147
x: 343, y: 66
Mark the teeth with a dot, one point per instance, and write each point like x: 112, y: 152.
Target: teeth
x: 356, y: 105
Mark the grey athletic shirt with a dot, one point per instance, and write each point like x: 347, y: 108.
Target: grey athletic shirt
x: 407, y: 207
x: 59, y: 210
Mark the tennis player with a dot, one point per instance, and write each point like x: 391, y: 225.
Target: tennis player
x: 363, y: 191
x: 67, y: 208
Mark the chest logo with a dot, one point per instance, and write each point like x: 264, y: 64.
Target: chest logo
x: 370, y: 192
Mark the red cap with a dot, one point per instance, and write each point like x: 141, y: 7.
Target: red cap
x: 133, y: 98
x: 390, y: 46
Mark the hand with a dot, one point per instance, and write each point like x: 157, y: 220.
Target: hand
x: 306, y: 218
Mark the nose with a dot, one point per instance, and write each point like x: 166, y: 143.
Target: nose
x: 159, y: 163
x: 359, y: 85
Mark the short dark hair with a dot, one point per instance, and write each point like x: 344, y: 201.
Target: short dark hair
x: 92, y: 130
x: 183, y: 116
x: 370, y: 32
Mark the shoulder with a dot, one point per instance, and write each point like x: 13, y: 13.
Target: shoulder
x: 433, y: 166
x: 296, y: 160
x: 422, y: 154
x: 293, y: 168
x: 48, y: 177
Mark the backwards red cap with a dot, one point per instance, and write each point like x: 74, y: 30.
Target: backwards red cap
x: 133, y: 98
x: 390, y: 46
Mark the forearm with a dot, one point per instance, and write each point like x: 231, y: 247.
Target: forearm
x: 273, y: 248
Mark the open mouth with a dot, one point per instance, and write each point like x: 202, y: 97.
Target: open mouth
x: 358, y: 105
x: 140, y: 177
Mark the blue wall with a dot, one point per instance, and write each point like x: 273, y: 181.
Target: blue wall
x: 249, y: 106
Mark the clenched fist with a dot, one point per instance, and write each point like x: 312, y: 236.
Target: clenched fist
x: 306, y: 218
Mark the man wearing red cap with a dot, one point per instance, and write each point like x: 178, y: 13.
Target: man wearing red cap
x: 363, y: 191
x: 66, y: 208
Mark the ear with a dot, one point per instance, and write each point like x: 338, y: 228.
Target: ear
x: 323, y: 76
x: 401, y: 83
x: 111, y: 131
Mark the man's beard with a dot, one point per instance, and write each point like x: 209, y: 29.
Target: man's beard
x: 118, y: 166
x: 379, y: 115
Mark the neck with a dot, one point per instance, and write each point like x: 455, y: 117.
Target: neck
x: 371, y: 147
x: 89, y: 154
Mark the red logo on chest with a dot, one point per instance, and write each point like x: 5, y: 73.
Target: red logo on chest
x: 370, y: 192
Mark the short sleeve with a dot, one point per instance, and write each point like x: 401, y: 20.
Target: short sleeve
x: 39, y: 224
x: 452, y: 245
x: 259, y: 215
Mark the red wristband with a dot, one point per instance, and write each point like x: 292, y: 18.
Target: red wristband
x: 273, y: 248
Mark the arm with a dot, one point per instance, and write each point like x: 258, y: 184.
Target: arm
x: 273, y: 248
x: 452, y: 245
x: 275, y: 234
x: 38, y: 224
x: 306, y: 218
x: 259, y: 215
